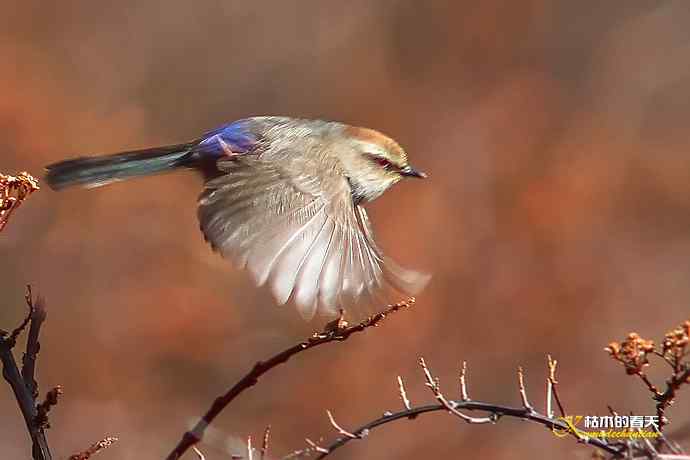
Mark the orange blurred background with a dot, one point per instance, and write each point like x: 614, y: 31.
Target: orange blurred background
x: 556, y: 217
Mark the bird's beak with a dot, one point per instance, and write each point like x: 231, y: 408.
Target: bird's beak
x: 409, y: 171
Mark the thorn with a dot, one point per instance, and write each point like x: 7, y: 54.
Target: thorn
x: 316, y: 447
x: 523, y: 392
x: 463, y: 382
x: 339, y: 428
x: 198, y: 453
x: 403, y: 394
x: 264, y: 444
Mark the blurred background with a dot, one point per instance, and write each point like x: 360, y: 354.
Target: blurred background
x: 556, y: 217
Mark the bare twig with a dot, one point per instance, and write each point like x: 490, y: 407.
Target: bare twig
x: 498, y: 411
x: 38, y: 315
x: 95, y: 448
x: 521, y: 387
x: 333, y: 334
x: 25, y: 387
x: 403, y: 394
x: 650, y: 447
x: 451, y: 406
x: 463, y: 382
x: 549, y: 397
x: 317, y: 448
x: 338, y: 428
x: 665, y: 399
x: 25, y: 390
x: 264, y: 443
x: 27, y: 319
x: 552, y: 388
x: 198, y: 453
x: 671, y: 445
x: 494, y: 411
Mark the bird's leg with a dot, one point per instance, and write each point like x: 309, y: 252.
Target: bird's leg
x: 337, y: 324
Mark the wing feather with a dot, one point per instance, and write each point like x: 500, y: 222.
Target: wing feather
x: 287, y: 268
x: 300, y: 233
x: 306, y: 290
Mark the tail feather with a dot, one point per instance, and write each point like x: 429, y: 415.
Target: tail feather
x: 102, y: 170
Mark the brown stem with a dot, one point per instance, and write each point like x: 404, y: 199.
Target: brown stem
x: 25, y: 390
x: 495, y: 411
x: 33, y: 346
x: 338, y: 334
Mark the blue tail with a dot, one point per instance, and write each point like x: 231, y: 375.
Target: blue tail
x: 97, y: 171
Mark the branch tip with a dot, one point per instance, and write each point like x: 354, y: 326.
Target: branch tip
x: 403, y: 394
x: 338, y: 428
x: 198, y: 453
x: 264, y: 443
x: 463, y: 382
x: 95, y: 448
x: 523, y: 391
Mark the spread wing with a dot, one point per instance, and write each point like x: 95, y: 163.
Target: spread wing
x: 299, y: 233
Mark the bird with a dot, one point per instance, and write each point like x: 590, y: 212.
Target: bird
x: 282, y: 197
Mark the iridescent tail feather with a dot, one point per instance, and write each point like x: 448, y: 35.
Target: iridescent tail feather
x: 102, y: 170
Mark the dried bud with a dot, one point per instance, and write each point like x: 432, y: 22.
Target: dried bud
x: 13, y: 191
x: 675, y: 342
x: 614, y: 349
x: 632, y: 352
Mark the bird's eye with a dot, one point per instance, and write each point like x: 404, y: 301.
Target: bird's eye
x: 383, y: 163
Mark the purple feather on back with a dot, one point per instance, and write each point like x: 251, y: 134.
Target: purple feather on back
x: 236, y: 136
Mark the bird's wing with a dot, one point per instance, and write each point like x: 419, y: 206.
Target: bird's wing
x: 298, y: 232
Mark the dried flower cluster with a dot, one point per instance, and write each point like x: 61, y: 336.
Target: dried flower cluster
x: 674, y: 346
x: 632, y: 353
x: 13, y: 191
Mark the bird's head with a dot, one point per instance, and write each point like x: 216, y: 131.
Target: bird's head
x: 374, y: 163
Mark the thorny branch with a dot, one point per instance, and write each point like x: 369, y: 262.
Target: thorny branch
x: 38, y: 316
x: 495, y: 413
x: 13, y: 191
x: 632, y: 353
x: 337, y: 331
x: 433, y: 384
x: 23, y: 383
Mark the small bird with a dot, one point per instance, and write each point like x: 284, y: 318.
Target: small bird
x: 282, y: 197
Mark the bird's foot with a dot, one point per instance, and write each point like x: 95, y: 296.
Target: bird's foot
x: 337, y: 325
